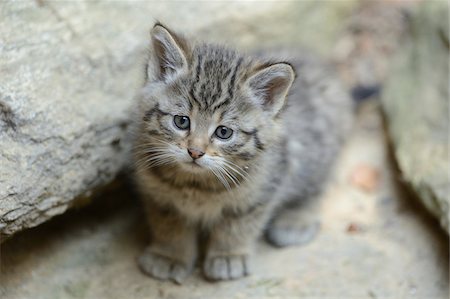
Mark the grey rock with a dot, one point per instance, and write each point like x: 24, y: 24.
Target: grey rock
x: 416, y: 103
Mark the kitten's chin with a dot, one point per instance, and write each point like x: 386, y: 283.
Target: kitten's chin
x: 192, y: 167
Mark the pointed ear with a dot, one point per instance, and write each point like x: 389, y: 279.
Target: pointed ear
x: 169, y: 54
x: 270, y: 86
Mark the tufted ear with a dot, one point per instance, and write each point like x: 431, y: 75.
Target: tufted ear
x: 270, y: 86
x: 168, y: 54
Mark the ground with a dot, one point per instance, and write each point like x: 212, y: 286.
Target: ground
x: 375, y: 242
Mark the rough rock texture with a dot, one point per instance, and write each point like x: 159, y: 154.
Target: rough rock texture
x: 416, y: 102
x: 68, y: 73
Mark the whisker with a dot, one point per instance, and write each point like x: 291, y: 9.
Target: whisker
x: 230, y: 176
x: 241, y: 172
x: 220, y: 178
x: 244, y: 176
x: 224, y: 181
x: 237, y: 166
x: 155, y: 160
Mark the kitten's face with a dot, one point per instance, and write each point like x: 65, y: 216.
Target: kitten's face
x: 207, y: 110
x: 221, y: 137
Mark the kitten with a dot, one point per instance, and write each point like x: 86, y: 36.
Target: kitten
x: 220, y: 151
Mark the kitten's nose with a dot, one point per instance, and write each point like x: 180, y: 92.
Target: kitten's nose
x: 195, y: 153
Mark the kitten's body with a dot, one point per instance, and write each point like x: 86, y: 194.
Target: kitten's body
x: 280, y: 154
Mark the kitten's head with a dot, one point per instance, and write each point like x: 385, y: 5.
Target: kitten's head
x: 206, y: 109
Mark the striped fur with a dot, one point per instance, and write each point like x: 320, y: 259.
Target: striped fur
x: 279, y: 154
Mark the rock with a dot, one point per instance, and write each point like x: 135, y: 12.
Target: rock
x: 69, y: 71
x: 416, y: 104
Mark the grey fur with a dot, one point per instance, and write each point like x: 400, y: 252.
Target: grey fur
x: 281, y: 152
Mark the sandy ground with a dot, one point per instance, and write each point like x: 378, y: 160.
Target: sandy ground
x: 374, y: 243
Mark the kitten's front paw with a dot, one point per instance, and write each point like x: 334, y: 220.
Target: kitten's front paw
x: 226, y: 267
x: 163, y: 268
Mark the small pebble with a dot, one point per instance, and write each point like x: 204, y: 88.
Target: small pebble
x: 365, y: 177
x: 353, y: 228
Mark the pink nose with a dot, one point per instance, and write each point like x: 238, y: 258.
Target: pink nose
x: 195, y: 153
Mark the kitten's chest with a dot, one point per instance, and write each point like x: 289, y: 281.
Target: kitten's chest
x: 208, y: 208
x: 198, y: 205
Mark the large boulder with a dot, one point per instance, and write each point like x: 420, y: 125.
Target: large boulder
x: 68, y: 73
x: 416, y: 104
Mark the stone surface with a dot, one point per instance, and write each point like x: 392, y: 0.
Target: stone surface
x: 69, y: 71
x: 416, y: 103
x: 371, y: 245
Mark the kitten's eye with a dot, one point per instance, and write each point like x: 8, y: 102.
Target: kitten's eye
x: 182, y: 122
x: 223, y: 132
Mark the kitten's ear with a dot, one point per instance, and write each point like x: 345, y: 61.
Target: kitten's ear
x: 270, y: 85
x: 169, y: 53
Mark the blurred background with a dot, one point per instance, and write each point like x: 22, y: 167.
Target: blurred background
x: 68, y: 74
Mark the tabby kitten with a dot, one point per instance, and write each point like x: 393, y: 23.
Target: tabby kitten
x: 221, y: 153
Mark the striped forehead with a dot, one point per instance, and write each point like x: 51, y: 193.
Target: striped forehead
x: 215, y: 73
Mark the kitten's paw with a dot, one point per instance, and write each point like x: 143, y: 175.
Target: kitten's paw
x: 282, y: 235
x: 226, y: 267
x: 163, y: 268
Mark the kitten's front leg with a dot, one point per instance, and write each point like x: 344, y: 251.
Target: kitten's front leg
x: 230, y: 244
x: 173, y: 249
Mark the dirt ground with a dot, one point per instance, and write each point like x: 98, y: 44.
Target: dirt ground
x: 375, y: 242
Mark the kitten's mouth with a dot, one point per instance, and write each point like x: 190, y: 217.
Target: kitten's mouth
x: 193, y: 165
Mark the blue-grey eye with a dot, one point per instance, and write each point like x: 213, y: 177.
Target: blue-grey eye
x: 182, y: 122
x: 223, y: 132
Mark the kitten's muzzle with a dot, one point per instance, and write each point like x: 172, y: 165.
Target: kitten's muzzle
x: 195, y: 153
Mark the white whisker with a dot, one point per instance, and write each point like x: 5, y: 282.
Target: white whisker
x: 229, y: 175
x: 237, y: 169
x: 156, y: 160
x: 220, y: 177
